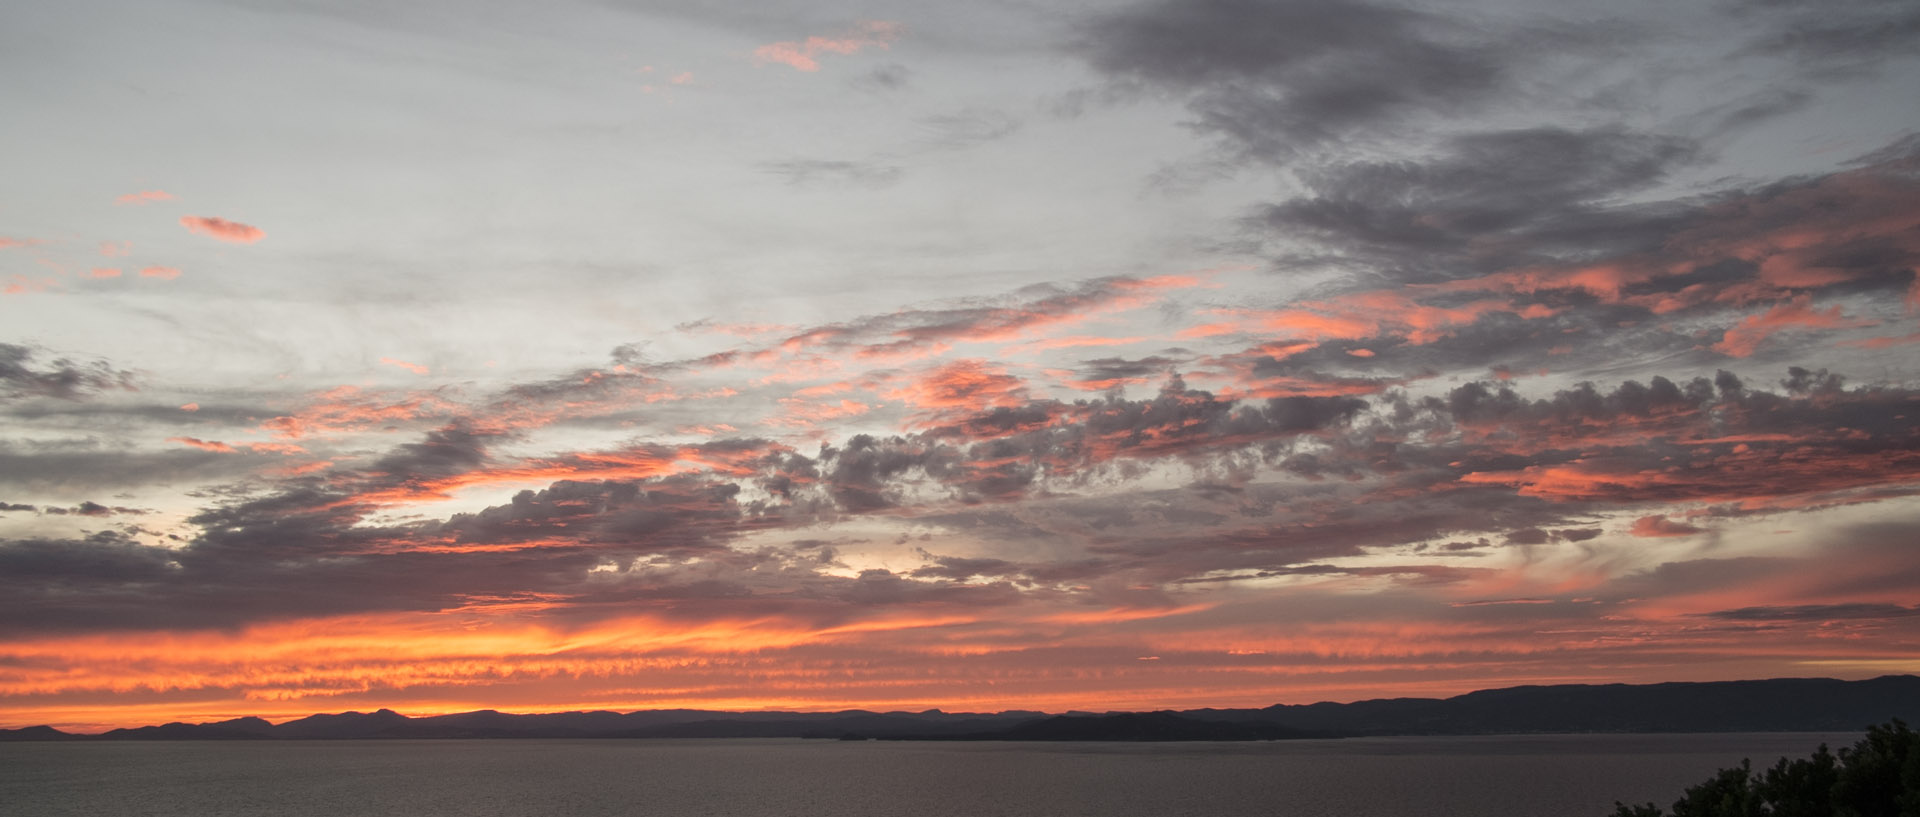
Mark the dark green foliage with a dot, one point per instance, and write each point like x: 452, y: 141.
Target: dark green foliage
x: 1877, y: 777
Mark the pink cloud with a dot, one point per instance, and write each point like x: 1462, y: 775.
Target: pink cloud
x: 144, y: 197
x: 106, y: 272
x: 204, y: 445
x: 12, y: 243
x: 162, y: 273
x: 800, y: 55
x: 961, y: 387
x: 1659, y: 527
x: 1070, y: 342
x: 1745, y: 337
x: 222, y: 229
x: 411, y: 367
x: 22, y: 285
x: 112, y: 249
x: 1884, y: 342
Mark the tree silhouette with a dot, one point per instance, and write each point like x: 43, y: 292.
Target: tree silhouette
x: 1877, y: 777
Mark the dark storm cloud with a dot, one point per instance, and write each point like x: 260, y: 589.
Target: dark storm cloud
x: 61, y: 378
x: 101, y: 557
x: 1072, y: 442
x: 1487, y: 200
x: 1569, y: 272
x: 1697, y: 441
x: 442, y: 453
x: 835, y: 173
x: 678, y: 516
x: 1277, y: 78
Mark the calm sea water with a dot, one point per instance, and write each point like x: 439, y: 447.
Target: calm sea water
x: 1530, y: 776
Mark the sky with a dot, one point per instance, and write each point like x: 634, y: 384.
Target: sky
x: 1021, y: 354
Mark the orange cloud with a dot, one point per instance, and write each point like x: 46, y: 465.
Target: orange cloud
x: 1745, y: 337
x: 204, y: 445
x: 347, y: 408
x: 144, y: 197
x: 222, y: 229
x: 1070, y: 342
x: 801, y: 55
x: 106, y: 272
x: 162, y: 273
x: 1659, y: 526
x: 1885, y: 342
x: 411, y: 367
x: 963, y: 386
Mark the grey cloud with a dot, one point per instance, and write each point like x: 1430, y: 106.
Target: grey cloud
x: 87, y: 466
x: 1836, y: 39
x: 916, y: 328
x: 101, y: 557
x: 1815, y: 612
x: 444, y: 452
x: 1276, y: 77
x: 1119, y: 368
x: 961, y: 569
x: 61, y: 378
x: 969, y: 127
x: 1487, y: 200
x: 889, y: 77
x: 677, y: 516
x: 835, y: 173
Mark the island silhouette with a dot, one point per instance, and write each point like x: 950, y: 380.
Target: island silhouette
x: 1775, y: 705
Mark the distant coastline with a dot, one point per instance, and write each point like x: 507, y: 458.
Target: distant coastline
x: 1776, y: 705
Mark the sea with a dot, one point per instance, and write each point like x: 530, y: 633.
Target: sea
x: 1495, y: 776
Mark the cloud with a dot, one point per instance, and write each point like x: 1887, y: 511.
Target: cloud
x: 1743, y: 338
x: 1834, y: 40
x: 1489, y: 199
x: 162, y: 273
x: 830, y: 173
x: 61, y: 378
x: 411, y: 367
x: 911, y: 332
x: 350, y: 408
x: 802, y: 55
x: 968, y: 127
x: 1816, y: 612
x: 883, y: 78
x: 221, y: 229
x: 204, y: 445
x: 144, y: 197
x: 1659, y: 526
x: 1276, y: 79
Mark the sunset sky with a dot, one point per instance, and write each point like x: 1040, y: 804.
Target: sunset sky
x: 615, y: 354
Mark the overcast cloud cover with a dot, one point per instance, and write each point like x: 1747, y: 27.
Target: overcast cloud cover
x: 1053, y: 355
